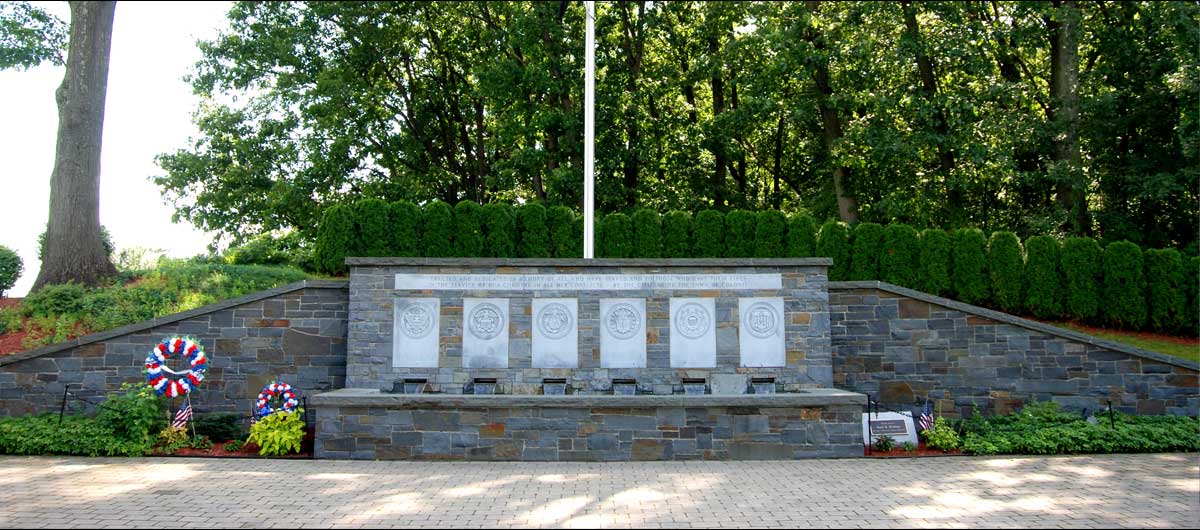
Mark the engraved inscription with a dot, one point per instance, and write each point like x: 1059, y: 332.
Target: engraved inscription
x: 623, y: 321
x: 485, y: 321
x: 762, y: 320
x: 554, y: 321
x: 587, y: 282
x: 416, y: 321
x: 692, y: 320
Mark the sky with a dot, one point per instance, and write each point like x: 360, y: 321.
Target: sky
x: 148, y: 111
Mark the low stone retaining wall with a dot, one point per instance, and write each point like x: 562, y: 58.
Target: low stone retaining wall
x: 296, y: 332
x: 901, y: 346
x: 367, y: 424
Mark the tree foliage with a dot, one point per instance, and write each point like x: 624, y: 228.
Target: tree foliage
x: 30, y: 36
x: 11, y: 268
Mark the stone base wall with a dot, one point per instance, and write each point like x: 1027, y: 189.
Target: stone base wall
x: 589, y: 430
x: 901, y: 347
x: 296, y: 333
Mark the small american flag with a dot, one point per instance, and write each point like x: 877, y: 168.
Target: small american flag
x: 926, y: 420
x: 182, y: 417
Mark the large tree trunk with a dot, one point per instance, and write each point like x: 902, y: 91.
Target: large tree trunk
x: 1064, y: 112
x: 929, y: 88
x: 831, y: 128
x: 74, y: 251
x: 717, y: 83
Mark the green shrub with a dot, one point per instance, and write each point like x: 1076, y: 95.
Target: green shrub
x: 1040, y: 428
x: 533, y: 237
x: 1005, y: 268
x: 898, y: 263
x: 739, y: 234
x: 677, y: 234
x: 613, y: 237
x: 134, y: 415
x: 934, y: 276
x: 1166, y: 292
x: 1043, y: 277
x: 11, y: 267
x: 770, y: 234
x: 1191, y: 278
x: 468, y: 230
x: 941, y: 436
x: 171, y: 439
x: 801, y: 236
x: 404, y: 229
x: 373, y: 236
x: 709, y: 233
x: 865, y: 247
x: 335, y: 239
x: 279, y: 433
x: 1124, y: 285
x: 499, y: 231
x: 968, y: 271
x: 647, y: 234
x: 54, y: 300
x: 234, y: 446
x: 220, y: 426
x: 127, y: 425
x: 437, y: 230
x: 833, y: 241
x: 577, y: 237
x: 105, y: 241
x: 885, y: 443
x: 560, y: 221
x: 1081, y: 269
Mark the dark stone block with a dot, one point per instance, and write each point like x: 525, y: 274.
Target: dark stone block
x: 759, y: 451
x: 436, y: 443
x: 631, y: 423
x: 651, y: 450
x: 601, y: 442
x: 425, y: 420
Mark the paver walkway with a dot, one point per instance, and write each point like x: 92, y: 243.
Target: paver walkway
x: 1067, y: 492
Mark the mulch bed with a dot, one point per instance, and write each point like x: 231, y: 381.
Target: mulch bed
x: 899, y: 452
x: 248, y: 450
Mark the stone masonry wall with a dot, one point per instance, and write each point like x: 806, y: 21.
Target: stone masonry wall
x: 295, y: 332
x: 901, y: 346
x: 372, y: 295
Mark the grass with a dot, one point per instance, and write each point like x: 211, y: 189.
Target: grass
x: 1182, y: 347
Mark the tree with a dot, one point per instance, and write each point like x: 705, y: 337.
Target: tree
x: 74, y: 249
x: 30, y: 36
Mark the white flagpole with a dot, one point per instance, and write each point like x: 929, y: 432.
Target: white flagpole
x: 589, y: 140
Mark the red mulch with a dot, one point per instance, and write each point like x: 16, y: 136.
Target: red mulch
x: 10, y: 302
x: 1148, y: 335
x: 247, y: 451
x: 11, y: 342
x: 899, y: 452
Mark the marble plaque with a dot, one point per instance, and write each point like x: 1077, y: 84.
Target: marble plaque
x: 622, y: 333
x: 761, y: 332
x: 485, y: 333
x: 415, y: 333
x: 555, y: 333
x: 587, y: 282
x: 693, y: 333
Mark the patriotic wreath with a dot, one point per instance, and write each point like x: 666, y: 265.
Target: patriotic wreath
x: 188, y: 379
x: 262, y: 407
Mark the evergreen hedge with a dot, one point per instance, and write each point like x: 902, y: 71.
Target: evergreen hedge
x: 499, y: 231
x: 373, y: 236
x: 335, y: 239
x: 404, y: 234
x: 468, y: 229
x: 833, y: 241
x: 561, y: 222
x: 968, y: 268
x: 1166, y: 294
x: 899, y: 261
x: 1124, y: 298
x: 934, y: 276
x: 770, y: 234
x: 1081, y: 269
x: 865, y: 247
x: 1191, y: 278
x: 801, y: 236
x: 437, y: 229
x: 613, y: 241
x: 709, y: 234
x: 533, y: 237
x: 1005, y: 268
x: 1043, y: 277
x: 739, y: 234
x: 647, y: 234
x: 677, y: 234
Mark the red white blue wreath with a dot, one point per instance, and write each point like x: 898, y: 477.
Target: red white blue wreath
x: 157, y: 372
x: 262, y: 407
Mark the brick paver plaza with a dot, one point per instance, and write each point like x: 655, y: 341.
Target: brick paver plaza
x: 1054, y: 492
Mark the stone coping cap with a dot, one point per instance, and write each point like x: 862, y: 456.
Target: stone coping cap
x: 1012, y: 320
x: 171, y: 319
x: 601, y: 262
x: 373, y: 397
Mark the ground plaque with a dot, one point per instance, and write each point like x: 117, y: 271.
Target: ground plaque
x: 899, y: 426
x: 485, y: 333
x: 622, y: 333
x: 693, y: 333
x: 555, y: 333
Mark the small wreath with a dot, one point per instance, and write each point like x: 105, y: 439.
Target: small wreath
x: 188, y: 379
x: 262, y: 406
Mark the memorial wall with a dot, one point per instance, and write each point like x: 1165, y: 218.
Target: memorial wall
x: 449, y: 326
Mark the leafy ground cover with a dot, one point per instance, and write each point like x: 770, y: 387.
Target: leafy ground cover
x: 1043, y: 429
x: 62, y: 312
